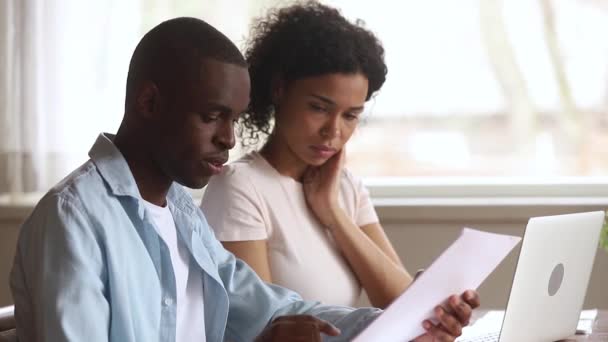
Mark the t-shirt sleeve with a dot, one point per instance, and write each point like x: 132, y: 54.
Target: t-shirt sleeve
x: 365, y: 213
x: 232, y: 207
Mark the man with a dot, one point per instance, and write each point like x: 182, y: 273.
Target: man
x: 118, y: 251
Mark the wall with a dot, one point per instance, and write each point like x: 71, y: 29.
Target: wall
x: 10, y: 219
x: 419, y: 233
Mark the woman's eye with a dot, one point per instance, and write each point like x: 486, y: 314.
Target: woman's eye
x: 351, y: 116
x: 317, y: 107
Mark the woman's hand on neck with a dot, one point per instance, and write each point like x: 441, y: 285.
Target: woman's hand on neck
x: 322, y: 187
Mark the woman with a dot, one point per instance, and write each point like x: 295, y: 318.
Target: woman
x: 292, y: 211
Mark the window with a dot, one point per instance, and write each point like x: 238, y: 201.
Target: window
x: 487, y: 88
x: 476, y: 88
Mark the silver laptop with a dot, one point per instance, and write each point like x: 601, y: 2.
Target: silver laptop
x: 551, y: 278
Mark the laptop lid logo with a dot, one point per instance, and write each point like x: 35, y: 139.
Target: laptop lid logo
x: 555, y: 281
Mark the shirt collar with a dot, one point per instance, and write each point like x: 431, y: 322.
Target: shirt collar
x: 113, y: 167
x: 116, y: 173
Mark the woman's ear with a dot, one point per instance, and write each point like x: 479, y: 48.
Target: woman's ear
x: 277, y: 90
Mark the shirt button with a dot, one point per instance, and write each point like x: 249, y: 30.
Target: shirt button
x: 168, y: 301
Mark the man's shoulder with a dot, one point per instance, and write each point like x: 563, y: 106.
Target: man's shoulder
x: 82, y: 183
x: 71, y: 193
x: 65, y: 209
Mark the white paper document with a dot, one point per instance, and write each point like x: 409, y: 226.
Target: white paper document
x: 462, y: 266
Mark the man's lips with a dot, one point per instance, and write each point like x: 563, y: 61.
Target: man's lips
x: 216, y: 163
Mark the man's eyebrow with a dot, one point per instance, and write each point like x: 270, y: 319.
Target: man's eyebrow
x: 219, y: 107
x: 330, y: 102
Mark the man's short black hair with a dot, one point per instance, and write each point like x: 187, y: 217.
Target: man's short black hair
x: 170, y: 53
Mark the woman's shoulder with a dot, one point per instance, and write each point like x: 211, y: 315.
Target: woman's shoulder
x: 238, y: 179
x: 248, y: 176
x: 350, y: 180
x: 241, y: 171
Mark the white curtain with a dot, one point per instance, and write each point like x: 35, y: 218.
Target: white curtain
x: 63, y: 66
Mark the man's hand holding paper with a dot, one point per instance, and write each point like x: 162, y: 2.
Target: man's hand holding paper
x: 462, y: 266
x: 451, y: 318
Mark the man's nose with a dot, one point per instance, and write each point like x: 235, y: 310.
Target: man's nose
x: 225, y: 135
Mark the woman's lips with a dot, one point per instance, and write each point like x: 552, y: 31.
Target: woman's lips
x: 323, y: 151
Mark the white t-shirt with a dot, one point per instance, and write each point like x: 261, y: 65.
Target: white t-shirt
x: 189, y: 285
x: 250, y: 200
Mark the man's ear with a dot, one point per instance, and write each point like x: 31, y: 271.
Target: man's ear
x: 148, y: 101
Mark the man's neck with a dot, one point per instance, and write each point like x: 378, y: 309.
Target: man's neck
x: 152, y: 183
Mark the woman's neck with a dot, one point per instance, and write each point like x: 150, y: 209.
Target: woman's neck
x: 278, y: 154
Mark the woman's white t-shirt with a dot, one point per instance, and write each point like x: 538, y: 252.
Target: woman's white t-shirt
x: 250, y: 200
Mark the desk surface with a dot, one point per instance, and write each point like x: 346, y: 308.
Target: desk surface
x: 600, y: 327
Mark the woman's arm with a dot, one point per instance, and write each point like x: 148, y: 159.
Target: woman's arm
x: 254, y: 253
x: 372, y: 258
x: 367, y: 249
x: 376, y: 233
x: 234, y: 210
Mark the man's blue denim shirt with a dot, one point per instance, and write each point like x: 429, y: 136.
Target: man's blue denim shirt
x: 90, y: 267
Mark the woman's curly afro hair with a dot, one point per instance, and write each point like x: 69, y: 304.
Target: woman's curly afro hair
x: 303, y: 40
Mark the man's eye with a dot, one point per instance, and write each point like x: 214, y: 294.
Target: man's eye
x: 210, y: 117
